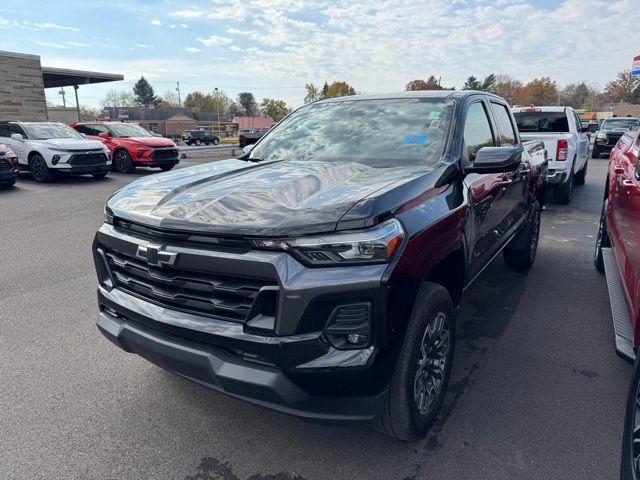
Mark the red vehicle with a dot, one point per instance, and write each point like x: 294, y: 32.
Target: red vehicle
x: 8, y: 167
x: 618, y: 256
x: 131, y: 145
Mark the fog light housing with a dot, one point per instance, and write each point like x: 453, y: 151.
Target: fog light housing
x: 349, y: 326
x: 55, y: 159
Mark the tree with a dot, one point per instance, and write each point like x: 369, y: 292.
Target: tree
x: 539, y: 91
x: 222, y: 103
x: 432, y: 83
x: 171, y: 98
x: 624, y: 89
x: 576, y: 94
x: 117, y: 98
x: 276, y: 109
x: 508, y: 88
x: 204, y: 102
x: 312, y: 94
x: 144, y: 94
x: 248, y: 103
x: 325, y: 90
x: 339, y: 89
x: 234, y: 110
x: 486, y: 85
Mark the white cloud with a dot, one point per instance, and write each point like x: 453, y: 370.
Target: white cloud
x: 156, y: 22
x: 183, y: 25
x: 77, y: 44
x: 192, y: 49
x: 142, y: 45
x: 189, y: 13
x: 235, y: 48
x: 54, y: 26
x: 26, y: 25
x: 52, y: 45
x: 214, y: 41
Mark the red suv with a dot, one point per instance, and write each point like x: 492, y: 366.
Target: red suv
x: 131, y: 145
x: 618, y: 256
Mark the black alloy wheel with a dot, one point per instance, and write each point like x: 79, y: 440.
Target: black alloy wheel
x: 122, y: 162
x: 630, y: 459
x: 431, y: 364
x: 39, y: 169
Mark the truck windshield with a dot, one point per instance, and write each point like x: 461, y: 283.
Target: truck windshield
x: 47, y: 131
x: 368, y: 131
x: 624, y: 123
x: 123, y: 130
x: 545, y: 122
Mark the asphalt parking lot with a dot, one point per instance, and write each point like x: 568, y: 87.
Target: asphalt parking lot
x: 537, y: 390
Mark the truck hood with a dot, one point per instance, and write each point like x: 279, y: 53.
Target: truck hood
x: 69, y: 144
x: 275, y: 198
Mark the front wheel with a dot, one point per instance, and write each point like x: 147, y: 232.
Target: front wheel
x: 198, y: 142
x: 630, y: 460
x: 419, y: 382
x: 595, y: 153
x: 122, y: 162
x: 602, y: 240
x: 39, y: 169
x: 521, y: 254
x: 216, y: 141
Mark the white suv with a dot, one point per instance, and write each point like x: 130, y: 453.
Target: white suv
x: 45, y: 147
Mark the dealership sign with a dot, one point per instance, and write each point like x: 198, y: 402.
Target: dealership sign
x: 635, y: 68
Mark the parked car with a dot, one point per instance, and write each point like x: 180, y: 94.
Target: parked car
x: 45, y: 148
x: 131, y: 145
x: 617, y: 255
x: 8, y: 167
x: 249, y: 136
x: 566, y: 143
x: 200, y: 137
x: 319, y: 274
x: 610, y: 132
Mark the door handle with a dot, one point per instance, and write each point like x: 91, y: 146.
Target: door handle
x: 618, y: 170
x: 628, y: 184
x: 506, y: 182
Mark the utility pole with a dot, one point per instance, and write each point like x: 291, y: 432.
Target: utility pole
x: 218, y: 108
x: 178, y: 90
x: 75, y: 88
x: 61, y: 92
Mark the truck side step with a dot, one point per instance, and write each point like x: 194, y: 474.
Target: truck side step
x: 621, y: 322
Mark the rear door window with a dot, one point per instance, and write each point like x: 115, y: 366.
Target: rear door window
x: 504, y: 124
x: 543, y: 122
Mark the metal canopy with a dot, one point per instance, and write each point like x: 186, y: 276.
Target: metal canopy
x: 65, y: 77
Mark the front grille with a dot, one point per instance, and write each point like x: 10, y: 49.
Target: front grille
x: 612, y: 138
x: 227, y: 297
x: 89, y: 158
x: 164, y: 154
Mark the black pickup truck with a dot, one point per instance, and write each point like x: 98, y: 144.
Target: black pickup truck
x: 319, y: 274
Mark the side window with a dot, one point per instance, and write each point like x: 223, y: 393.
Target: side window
x: 12, y: 128
x: 94, y: 130
x: 4, y: 130
x: 477, y: 130
x: 504, y: 124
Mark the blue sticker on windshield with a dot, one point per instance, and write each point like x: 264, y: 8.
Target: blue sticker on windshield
x: 416, y: 139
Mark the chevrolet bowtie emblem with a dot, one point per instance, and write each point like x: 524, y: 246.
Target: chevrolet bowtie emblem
x: 155, y: 256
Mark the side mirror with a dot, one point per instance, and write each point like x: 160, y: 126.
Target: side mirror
x: 496, y: 160
x: 248, y: 148
x: 17, y: 136
x: 104, y: 135
x: 584, y: 129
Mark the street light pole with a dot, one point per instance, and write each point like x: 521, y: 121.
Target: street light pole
x: 178, y: 90
x: 218, y: 108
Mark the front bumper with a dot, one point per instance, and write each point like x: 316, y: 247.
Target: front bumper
x: 292, y: 368
x: 84, y: 169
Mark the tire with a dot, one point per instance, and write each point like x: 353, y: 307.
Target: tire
x: 8, y: 184
x: 122, y: 162
x: 562, y: 192
x: 166, y: 168
x: 581, y: 177
x: 629, y: 466
x: 198, y: 142
x: 408, y: 412
x: 595, y: 152
x: 521, y: 256
x: 602, y: 239
x: 99, y: 175
x: 216, y: 141
x: 39, y: 169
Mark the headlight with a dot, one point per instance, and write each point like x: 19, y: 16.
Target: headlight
x: 375, y: 245
x: 601, y: 136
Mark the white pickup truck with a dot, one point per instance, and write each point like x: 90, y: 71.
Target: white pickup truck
x: 46, y: 148
x: 566, y: 143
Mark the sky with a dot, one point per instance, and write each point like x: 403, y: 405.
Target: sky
x: 272, y: 48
